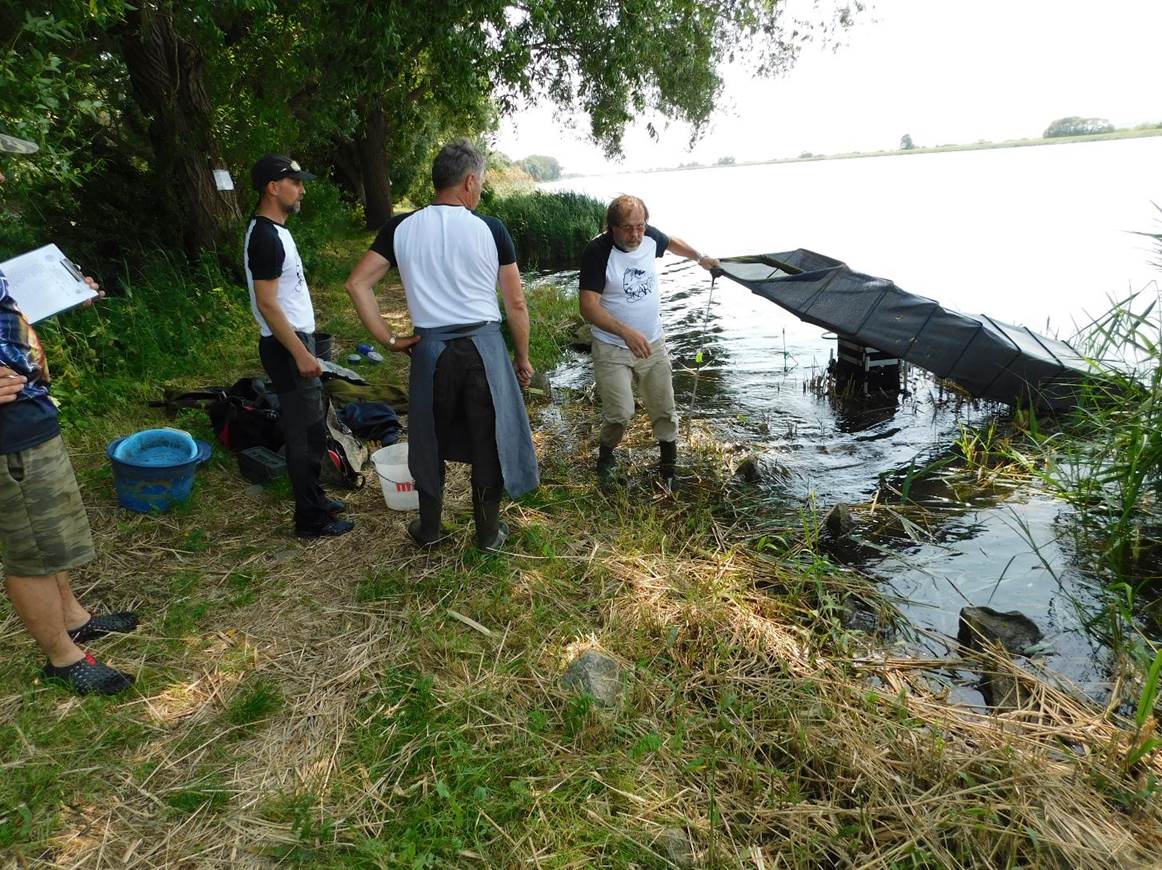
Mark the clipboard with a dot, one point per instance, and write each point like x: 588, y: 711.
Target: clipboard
x: 45, y: 282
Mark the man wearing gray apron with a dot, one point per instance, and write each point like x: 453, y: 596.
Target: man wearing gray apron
x: 465, y: 402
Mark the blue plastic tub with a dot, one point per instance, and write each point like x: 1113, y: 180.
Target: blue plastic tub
x: 156, y: 447
x: 155, y: 472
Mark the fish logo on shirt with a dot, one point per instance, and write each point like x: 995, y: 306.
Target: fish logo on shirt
x: 637, y: 284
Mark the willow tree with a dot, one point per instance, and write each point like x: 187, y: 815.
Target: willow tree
x: 166, y: 61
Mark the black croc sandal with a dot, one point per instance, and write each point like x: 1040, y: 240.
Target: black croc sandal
x: 90, y: 677
x: 107, y: 623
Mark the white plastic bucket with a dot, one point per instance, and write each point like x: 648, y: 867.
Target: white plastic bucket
x: 391, y: 467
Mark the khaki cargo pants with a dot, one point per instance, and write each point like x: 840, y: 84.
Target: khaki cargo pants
x: 617, y: 372
x: 43, y: 526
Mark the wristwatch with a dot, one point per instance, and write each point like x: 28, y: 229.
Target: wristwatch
x: 391, y: 341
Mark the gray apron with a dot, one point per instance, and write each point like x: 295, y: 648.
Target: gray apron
x: 514, y: 439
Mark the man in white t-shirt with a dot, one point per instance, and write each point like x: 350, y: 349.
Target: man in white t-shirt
x: 619, y: 297
x: 464, y: 393
x: 281, y: 303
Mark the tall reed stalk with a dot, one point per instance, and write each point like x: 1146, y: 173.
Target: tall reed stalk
x: 1106, y: 461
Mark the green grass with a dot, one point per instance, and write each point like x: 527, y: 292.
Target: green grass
x: 253, y: 703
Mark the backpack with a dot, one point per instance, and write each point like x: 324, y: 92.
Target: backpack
x: 245, y: 415
x: 242, y: 416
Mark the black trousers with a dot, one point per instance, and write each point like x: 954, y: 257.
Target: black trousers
x: 301, y: 416
x: 465, y: 417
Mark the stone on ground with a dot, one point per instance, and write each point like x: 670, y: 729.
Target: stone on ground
x: 595, y: 674
x: 673, y: 845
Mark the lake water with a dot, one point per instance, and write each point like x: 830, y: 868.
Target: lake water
x: 1037, y: 236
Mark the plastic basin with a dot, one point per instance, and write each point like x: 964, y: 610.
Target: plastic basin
x: 154, y: 480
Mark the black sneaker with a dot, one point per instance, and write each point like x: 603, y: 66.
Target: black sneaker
x: 336, y: 506
x: 107, y: 623
x: 333, y: 529
x: 89, y: 677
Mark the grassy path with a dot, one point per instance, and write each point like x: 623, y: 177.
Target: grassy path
x: 355, y: 703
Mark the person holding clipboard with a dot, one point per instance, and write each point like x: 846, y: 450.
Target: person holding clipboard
x: 44, y: 531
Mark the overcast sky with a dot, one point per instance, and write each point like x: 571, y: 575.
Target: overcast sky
x: 943, y: 71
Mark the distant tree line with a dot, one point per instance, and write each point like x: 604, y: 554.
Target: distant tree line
x: 1076, y: 126
x: 540, y: 167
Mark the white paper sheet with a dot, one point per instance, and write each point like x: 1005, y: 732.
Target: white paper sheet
x: 45, y: 282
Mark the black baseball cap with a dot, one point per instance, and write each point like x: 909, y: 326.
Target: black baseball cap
x: 273, y: 167
x: 12, y: 145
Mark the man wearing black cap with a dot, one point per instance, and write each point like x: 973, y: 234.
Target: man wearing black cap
x: 282, y: 306
x: 44, y: 531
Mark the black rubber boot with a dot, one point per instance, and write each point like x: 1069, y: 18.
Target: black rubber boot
x: 667, y: 465
x: 491, y: 531
x: 427, y: 531
x: 606, y: 467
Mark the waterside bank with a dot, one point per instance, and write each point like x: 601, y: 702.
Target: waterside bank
x: 358, y: 703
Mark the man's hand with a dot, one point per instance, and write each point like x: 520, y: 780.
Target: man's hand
x: 708, y: 263
x: 96, y: 288
x: 403, y: 343
x: 10, y: 385
x: 636, y: 342
x: 524, y: 371
x: 309, y: 366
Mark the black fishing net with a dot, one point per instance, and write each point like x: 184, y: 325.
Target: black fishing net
x: 987, y: 358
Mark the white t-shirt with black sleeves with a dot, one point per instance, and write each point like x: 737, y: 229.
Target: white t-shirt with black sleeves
x: 627, y: 282
x: 449, y: 259
x: 271, y: 253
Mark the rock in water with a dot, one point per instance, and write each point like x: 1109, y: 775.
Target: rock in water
x: 839, y: 522
x: 1012, y: 630
x: 1003, y: 692
x: 748, y: 470
x: 596, y: 675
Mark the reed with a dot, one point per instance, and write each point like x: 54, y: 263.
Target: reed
x: 549, y: 229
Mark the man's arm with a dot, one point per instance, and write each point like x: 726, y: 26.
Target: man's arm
x: 266, y: 297
x: 682, y: 249
x: 11, y: 384
x: 368, y: 272
x: 517, y: 310
x: 596, y: 313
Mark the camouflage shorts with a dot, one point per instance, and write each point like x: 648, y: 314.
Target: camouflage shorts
x: 43, y: 526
